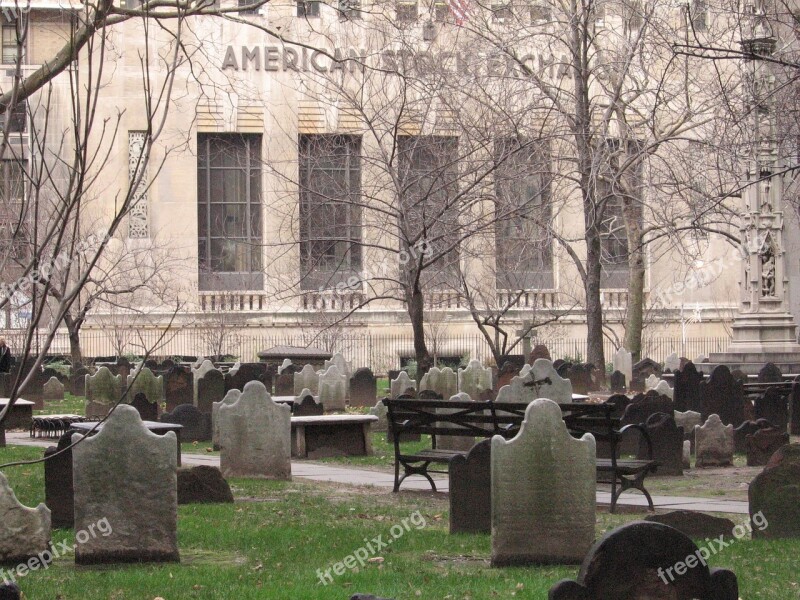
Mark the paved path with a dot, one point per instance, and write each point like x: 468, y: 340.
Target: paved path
x: 314, y: 471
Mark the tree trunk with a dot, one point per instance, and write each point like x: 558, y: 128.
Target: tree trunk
x: 74, y: 332
x: 416, y: 312
x: 634, y: 321
x: 594, y: 307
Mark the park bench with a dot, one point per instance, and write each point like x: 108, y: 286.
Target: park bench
x: 439, y: 418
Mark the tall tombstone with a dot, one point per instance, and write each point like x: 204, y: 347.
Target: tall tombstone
x: 641, y: 371
x: 286, y: 367
x: 363, y: 388
x: 245, y: 373
x: 78, y: 381
x: 103, y: 391
x: 637, y: 561
x: 24, y: 532
x: 774, y: 496
x: 507, y: 372
x: 306, y: 405
x: 53, y: 390
x: 474, y: 379
x: 794, y: 401
x: 381, y: 411
x: 198, y: 373
x: 196, y: 425
x: 623, y: 362
x: 210, y: 389
x: 255, y: 435
x: 617, y: 382
x: 546, y: 382
x: 714, y: 443
x: 178, y: 387
x: 340, y: 362
x: 230, y: 397
x: 58, y: 490
x: 724, y: 396
x: 543, y: 491
x: 126, y: 476
x: 640, y: 409
x: 772, y: 405
x: 761, y: 445
x: 307, y: 379
x: 770, y: 373
x: 580, y: 376
x: 333, y: 389
x: 146, y: 383
x: 672, y: 363
x: 667, y: 440
x: 471, y: 490
x: 442, y: 381
x: 686, y: 389
x: 398, y: 386
x: 284, y: 384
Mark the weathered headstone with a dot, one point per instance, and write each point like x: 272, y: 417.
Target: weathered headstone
x: 306, y: 405
x: 58, y: 491
x: 471, y: 490
x: 641, y: 371
x: 539, y: 351
x: 103, y: 391
x: 255, y: 436
x: 236, y: 379
x: 646, y: 561
x: 667, y: 442
x: 442, y: 381
x: 382, y: 412
x: 461, y: 443
x: 210, y: 388
x: 363, y: 388
x: 340, y: 362
x: 773, y: 406
x: 24, y: 532
x: 203, y: 485
x: 284, y: 384
x: 763, y: 444
x: 401, y: 384
x: 306, y: 379
x: 696, y: 525
x: 146, y: 383
x: 774, y: 496
x: 474, y: 379
x: 687, y: 454
x: 286, y: 366
x: 747, y: 428
x: 78, y: 381
x: 53, y: 390
x: 770, y: 373
x: 724, y: 396
x: 543, y: 491
x: 178, y: 387
x: 672, y: 363
x: 196, y: 425
x: 333, y: 389
x: 147, y: 410
x: 547, y: 383
x: 507, y: 372
x: 230, y: 397
x: 126, y: 476
x: 686, y: 391
x: 617, y: 382
x: 580, y: 376
x: 623, y: 362
x: 687, y: 421
x: 714, y: 443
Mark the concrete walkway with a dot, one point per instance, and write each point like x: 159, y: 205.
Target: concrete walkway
x: 314, y: 471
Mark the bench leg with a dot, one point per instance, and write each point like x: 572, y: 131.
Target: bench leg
x: 412, y: 470
x: 637, y: 483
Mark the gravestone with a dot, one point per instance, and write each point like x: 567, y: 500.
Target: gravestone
x: 713, y: 443
x: 126, y: 476
x: 507, y: 372
x: 78, y: 381
x: 166, y: 364
x: 635, y: 562
x: 381, y: 411
x: 773, y: 406
x: 580, y: 376
x: 641, y: 407
x: 210, y: 388
x: 401, y: 384
x: 623, y: 362
x: 687, y: 421
x: 617, y: 382
x: 770, y: 373
x: 687, y: 454
x: 763, y: 444
x: 641, y: 371
x: 341, y: 364
x: 306, y: 379
x: 563, y: 368
x: 651, y: 382
x: 794, y: 412
x: 672, y: 363
x: 147, y: 410
x: 543, y: 491
x: 539, y: 351
x: 333, y: 389
x: 620, y: 402
x: 284, y: 384
x: 454, y: 442
x: 686, y: 391
x: 473, y: 380
x: 363, y: 388
x: 286, y: 367
x: 306, y: 405
x: 53, y: 390
x: 255, y: 436
x: 245, y: 373
x: 471, y: 490
x: 178, y: 387
x: 774, y: 496
x: 196, y: 424
x: 146, y: 383
x: 24, y: 532
x: 203, y: 485
x: 741, y: 432
x: 724, y: 396
x: 667, y: 440
x: 546, y: 382
x: 230, y: 397
x: 58, y: 491
x: 740, y: 376
x: 696, y: 525
x: 103, y: 391
x: 442, y: 381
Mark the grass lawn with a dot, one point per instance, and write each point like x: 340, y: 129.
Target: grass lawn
x: 272, y: 541
x: 70, y: 405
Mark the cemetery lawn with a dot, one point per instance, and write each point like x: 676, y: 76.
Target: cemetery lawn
x: 270, y: 543
x: 70, y: 405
